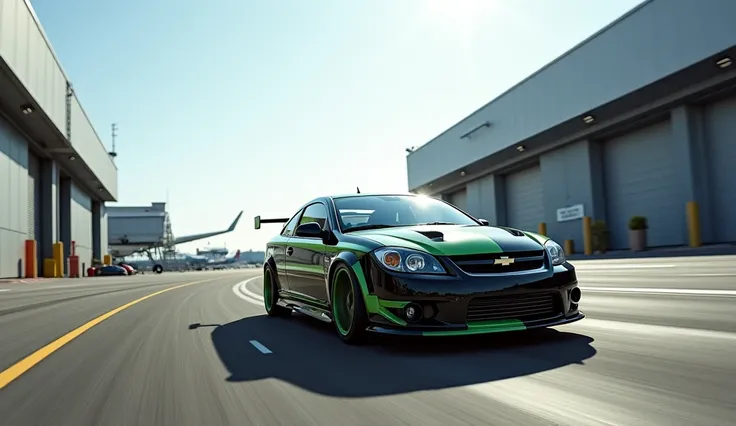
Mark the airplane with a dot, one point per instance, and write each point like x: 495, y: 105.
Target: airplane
x: 123, y: 246
x: 220, y: 262
x: 215, y: 256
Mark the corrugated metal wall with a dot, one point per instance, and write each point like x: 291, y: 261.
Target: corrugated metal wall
x: 104, y: 245
x: 35, y: 207
x: 13, y: 200
x: 81, y: 221
x: 34, y: 180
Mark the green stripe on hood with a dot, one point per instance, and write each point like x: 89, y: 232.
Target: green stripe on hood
x: 455, y: 240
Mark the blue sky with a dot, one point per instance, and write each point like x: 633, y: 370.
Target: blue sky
x: 261, y: 105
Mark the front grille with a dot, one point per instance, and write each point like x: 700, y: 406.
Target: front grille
x: 492, y: 263
x: 525, y: 307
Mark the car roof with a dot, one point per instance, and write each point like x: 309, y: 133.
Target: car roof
x: 336, y: 197
x: 376, y: 194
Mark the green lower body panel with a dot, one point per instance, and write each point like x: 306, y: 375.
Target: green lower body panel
x: 485, y: 327
x: 481, y: 328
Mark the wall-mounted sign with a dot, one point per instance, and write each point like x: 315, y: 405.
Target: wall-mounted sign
x: 570, y: 213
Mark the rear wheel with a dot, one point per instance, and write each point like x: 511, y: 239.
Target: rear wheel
x: 271, y: 295
x: 348, y: 307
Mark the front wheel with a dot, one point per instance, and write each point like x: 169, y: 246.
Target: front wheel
x: 348, y: 307
x: 271, y: 296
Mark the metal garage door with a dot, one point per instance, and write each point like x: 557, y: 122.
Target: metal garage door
x: 34, y: 195
x: 525, y: 199
x: 459, y: 199
x: 720, y: 132
x: 641, y: 179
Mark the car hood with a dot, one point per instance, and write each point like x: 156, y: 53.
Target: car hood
x: 454, y: 240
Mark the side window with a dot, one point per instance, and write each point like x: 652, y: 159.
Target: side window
x: 315, y: 213
x: 291, y: 225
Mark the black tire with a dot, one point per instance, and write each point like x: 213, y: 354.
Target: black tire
x: 158, y: 268
x: 271, y: 295
x: 348, y: 310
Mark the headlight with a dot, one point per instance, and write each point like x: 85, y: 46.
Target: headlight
x: 555, y: 252
x: 405, y: 260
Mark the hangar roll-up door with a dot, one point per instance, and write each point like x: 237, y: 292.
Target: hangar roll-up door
x: 459, y: 199
x: 525, y: 199
x: 720, y: 139
x: 34, y: 196
x: 641, y: 179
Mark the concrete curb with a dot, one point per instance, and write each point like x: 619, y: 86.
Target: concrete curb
x: 715, y: 250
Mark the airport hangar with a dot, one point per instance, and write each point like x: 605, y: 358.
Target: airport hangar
x: 55, y: 173
x: 638, y: 120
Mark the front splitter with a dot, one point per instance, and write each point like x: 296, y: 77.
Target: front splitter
x: 501, y: 326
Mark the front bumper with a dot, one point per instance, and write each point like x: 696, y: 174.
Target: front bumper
x: 462, y: 304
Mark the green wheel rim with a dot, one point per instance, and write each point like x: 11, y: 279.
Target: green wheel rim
x: 267, y: 293
x: 343, y: 302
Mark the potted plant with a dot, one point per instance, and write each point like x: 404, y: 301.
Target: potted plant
x: 638, y: 233
x: 599, y: 235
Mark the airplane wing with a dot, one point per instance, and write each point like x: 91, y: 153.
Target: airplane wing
x: 195, y: 237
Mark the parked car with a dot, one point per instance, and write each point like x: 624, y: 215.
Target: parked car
x: 128, y: 268
x: 110, y: 270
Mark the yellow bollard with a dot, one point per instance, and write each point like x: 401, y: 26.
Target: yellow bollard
x: 542, y: 229
x: 58, y: 251
x: 49, y: 268
x: 587, y: 236
x: 107, y: 260
x: 693, y: 223
x: 569, y: 247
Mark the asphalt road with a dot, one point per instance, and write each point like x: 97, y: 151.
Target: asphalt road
x: 658, y: 348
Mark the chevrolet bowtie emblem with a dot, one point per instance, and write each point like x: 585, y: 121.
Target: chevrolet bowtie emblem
x: 504, y: 261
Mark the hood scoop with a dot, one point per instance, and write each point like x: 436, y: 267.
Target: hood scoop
x: 436, y: 236
x: 512, y: 231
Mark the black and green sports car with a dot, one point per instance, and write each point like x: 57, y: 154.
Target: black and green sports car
x: 414, y: 265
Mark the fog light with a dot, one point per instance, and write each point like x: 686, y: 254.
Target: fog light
x: 575, y: 295
x: 413, y: 312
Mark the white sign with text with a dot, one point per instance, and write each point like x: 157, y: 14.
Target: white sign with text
x: 570, y: 213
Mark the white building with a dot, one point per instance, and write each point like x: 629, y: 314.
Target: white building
x: 637, y: 120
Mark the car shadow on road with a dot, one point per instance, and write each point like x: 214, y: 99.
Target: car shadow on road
x: 308, y: 354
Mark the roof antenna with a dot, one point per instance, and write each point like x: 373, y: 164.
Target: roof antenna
x: 358, y: 189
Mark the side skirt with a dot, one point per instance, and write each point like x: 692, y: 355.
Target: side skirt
x: 311, y: 311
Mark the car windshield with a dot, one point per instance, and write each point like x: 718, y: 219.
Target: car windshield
x: 383, y: 211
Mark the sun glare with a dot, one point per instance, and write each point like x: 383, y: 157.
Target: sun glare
x: 458, y: 21
x: 458, y: 12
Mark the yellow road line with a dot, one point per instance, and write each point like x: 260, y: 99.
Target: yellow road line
x: 31, y: 360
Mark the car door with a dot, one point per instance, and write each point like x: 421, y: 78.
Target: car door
x: 305, y: 258
x: 279, y: 250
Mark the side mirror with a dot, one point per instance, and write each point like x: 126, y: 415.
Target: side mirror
x: 309, y: 230
x: 257, y: 221
x: 484, y: 222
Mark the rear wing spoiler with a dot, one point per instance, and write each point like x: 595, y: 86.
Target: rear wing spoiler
x: 258, y: 221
